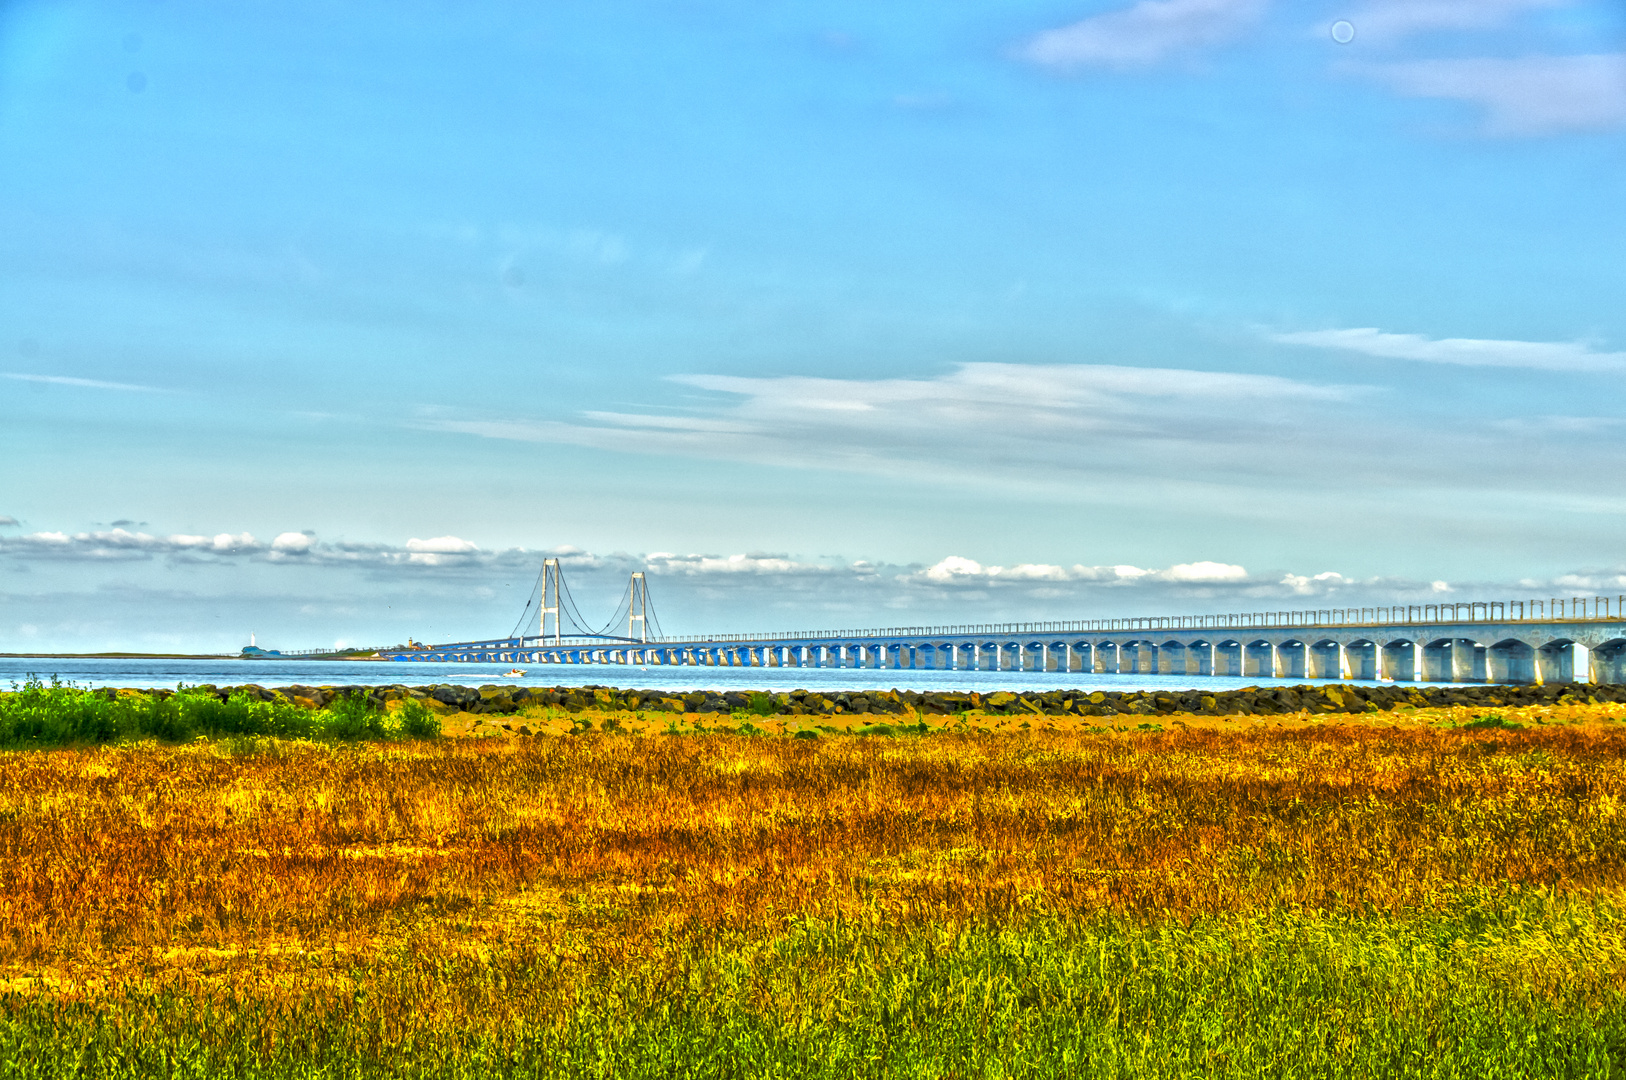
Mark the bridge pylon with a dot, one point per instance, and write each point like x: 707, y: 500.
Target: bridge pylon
x: 551, y: 586
x: 638, y: 608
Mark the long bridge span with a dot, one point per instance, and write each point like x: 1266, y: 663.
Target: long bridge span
x: 1581, y: 639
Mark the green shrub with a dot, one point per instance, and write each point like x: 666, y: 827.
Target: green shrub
x: 62, y: 714
x: 1492, y: 721
x: 355, y: 716
x: 39, y: 714
x: 418, y: 721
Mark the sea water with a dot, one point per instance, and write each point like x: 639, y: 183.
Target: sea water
x: 226, y: 671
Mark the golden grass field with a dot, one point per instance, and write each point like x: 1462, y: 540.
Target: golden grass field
x: 555, y: 720
x: 1226, y: 896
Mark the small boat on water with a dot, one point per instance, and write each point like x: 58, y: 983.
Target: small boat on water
x: 515, y: 674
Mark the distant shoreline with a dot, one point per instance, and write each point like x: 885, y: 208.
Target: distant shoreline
x: 170, y: 656
x: 115, y: 656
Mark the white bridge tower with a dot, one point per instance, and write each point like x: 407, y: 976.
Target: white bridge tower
x: 638, y: 607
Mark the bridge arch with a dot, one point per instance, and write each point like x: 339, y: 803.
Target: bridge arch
x: 1327, y: 658
x: 1398, y: 660
x: 1259, y: 659
x: 1228, y: 654
x: 1454, y: 659
x: 1293, y: 659
x: 1201, y: 657
x: 1562, y: 660
x: 1170, y: 657
x: 1609, y: 661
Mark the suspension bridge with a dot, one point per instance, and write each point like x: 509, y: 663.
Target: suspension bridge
x: 1580, y: 639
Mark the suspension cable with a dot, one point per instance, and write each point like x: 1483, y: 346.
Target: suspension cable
x: 649, y: 611
x: 569, y: 612
x: 535, y: 589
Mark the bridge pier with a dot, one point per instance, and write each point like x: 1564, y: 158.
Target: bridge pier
x: 1401, y: 662
x: 1609, y: 663
x: 1205, y: 659
x: 1563, y: 662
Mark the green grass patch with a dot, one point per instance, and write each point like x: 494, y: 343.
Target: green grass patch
x: 1491, y: 722
x: 38, y: 715
x: 1481, y: 991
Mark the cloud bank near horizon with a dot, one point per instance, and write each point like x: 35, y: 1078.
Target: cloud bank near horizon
x: 117, y: 588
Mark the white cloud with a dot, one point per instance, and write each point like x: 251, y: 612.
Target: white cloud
x: 1591, y: 582
x: 66, y: 380
x: 378, y: 593
x: 956, y: 569
x: 292, y: 543
x: 7, y: 522
x: 439, y: 549
x: 187, y: 547
x: 670, y: 423
x: 116, y: 544
x: 1145, y: 34
x: 1310, y: 584
x: 443, y: 545
x: 1390, y: 20
x: 730, y: 565
x: 1046, y: 422
x: 1471, y: 352
x: 1523, y: 96
x: 1206, y: 571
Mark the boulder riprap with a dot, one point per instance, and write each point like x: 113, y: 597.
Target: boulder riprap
x: 1321, y: 698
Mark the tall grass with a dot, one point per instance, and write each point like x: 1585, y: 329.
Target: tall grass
x: 1343, y: 902
x: 37, y: 714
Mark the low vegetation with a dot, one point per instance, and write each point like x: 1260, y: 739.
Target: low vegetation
x: 1318, y: 899
x: 37, y: 714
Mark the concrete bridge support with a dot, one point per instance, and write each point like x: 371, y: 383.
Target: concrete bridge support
x: 1296, y: 660
x: 1609, y: 662
x: 1202, y: 657
x: 1402, y: 661
x: 1563, y: 662
x: 1164, y: 660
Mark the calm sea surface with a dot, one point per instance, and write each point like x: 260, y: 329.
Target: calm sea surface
x: 228, y: 672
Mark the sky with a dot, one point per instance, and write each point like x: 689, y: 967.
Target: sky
x: 329, y: 322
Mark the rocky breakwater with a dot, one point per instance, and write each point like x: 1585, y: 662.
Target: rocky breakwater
x: 1250, y: 701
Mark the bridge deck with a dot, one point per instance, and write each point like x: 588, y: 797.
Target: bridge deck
x: 1496, y: 642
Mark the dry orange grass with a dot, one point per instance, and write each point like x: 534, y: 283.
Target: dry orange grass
x: 554, y: 720
x: 282, y: 871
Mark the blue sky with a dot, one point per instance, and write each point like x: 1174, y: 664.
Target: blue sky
x: 327, y: 321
